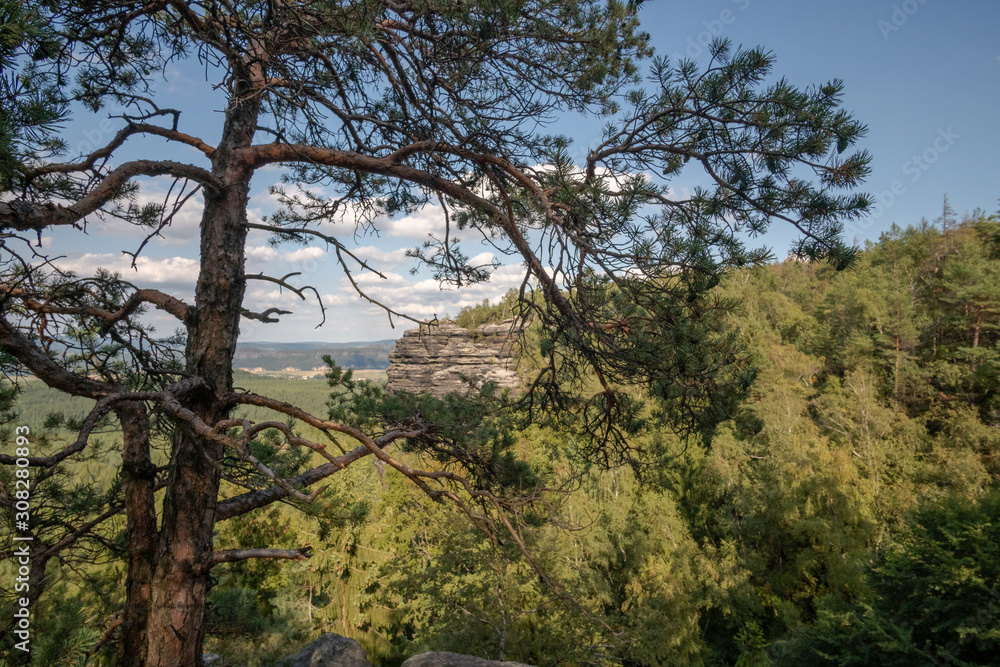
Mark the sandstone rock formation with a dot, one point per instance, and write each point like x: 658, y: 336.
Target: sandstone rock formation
x: 330, y: 650
x: 445, y: 659
x: 435, y: 359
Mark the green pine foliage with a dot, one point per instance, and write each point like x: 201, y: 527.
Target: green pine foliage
x: 31, y: 104
x: 486, y: 312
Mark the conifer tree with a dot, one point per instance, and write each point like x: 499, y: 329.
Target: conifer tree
x: 390, y: 105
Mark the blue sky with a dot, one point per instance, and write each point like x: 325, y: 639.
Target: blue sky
x: 923, y: 75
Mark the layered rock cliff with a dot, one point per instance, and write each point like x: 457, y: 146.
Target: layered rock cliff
x: 435, y: 359
x: 332, y: 650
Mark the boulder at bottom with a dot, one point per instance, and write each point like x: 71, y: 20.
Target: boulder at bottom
x: 445, y: 659
x: 330, y: 650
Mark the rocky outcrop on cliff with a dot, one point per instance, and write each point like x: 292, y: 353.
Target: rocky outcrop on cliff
x: 332, y: 650
x: 436, y: 359
x: 445, y: 659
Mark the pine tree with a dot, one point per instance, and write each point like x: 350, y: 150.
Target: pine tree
x: 390, y: 106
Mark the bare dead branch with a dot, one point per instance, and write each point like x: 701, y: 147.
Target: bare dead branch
x: 116, y: 142
x: 165, y: 220
x: 247, y: 502
x: 47, y: 370
x: 156, y: 298
x: 265, y: 316
x: 83, y: 436
x: 341, y: 251
x: 298, y: 291
x: 232, y: 555
x: 106, y: 637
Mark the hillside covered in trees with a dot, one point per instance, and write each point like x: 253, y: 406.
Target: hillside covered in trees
x: 847, y: 514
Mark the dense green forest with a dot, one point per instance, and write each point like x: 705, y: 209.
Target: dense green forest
x: 849, y: 514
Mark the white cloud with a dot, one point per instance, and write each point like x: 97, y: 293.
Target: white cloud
x: 429, y: 220
x: 341, y: 299
x: 263, y: 253
x: 173, y: 274
x: 378, y: 256
x: 388, y: 278
x: 482, y: 259
x: 266, y: 295
x: 304, y: 254
x: 183, y: 228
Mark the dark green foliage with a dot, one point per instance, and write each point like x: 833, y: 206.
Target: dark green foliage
x: 943, y: 580
x: 935, y: 598
x: 31, y: 105
x: 855, y: 638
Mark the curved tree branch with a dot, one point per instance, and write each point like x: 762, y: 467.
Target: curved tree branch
x: 232, y: 555
x: 116, y: 142
x: 23, y: 216
x: 44, y: 368
x: 160, y: 300
x: 298, y: 291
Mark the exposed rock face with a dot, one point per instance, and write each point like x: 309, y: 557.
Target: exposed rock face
x: 434, y: 359
x: 330, y: 650
x: 445, y: 659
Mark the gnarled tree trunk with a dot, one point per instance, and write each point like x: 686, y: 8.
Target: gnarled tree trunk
x: 138, y: 482
x: 174, y: 629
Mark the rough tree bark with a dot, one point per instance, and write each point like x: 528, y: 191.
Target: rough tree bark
x: 175, y: 630
x: 138, y: 485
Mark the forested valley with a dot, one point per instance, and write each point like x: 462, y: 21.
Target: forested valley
x: 847, y: 514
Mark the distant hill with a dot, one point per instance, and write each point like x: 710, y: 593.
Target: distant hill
x: 309, y: 355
